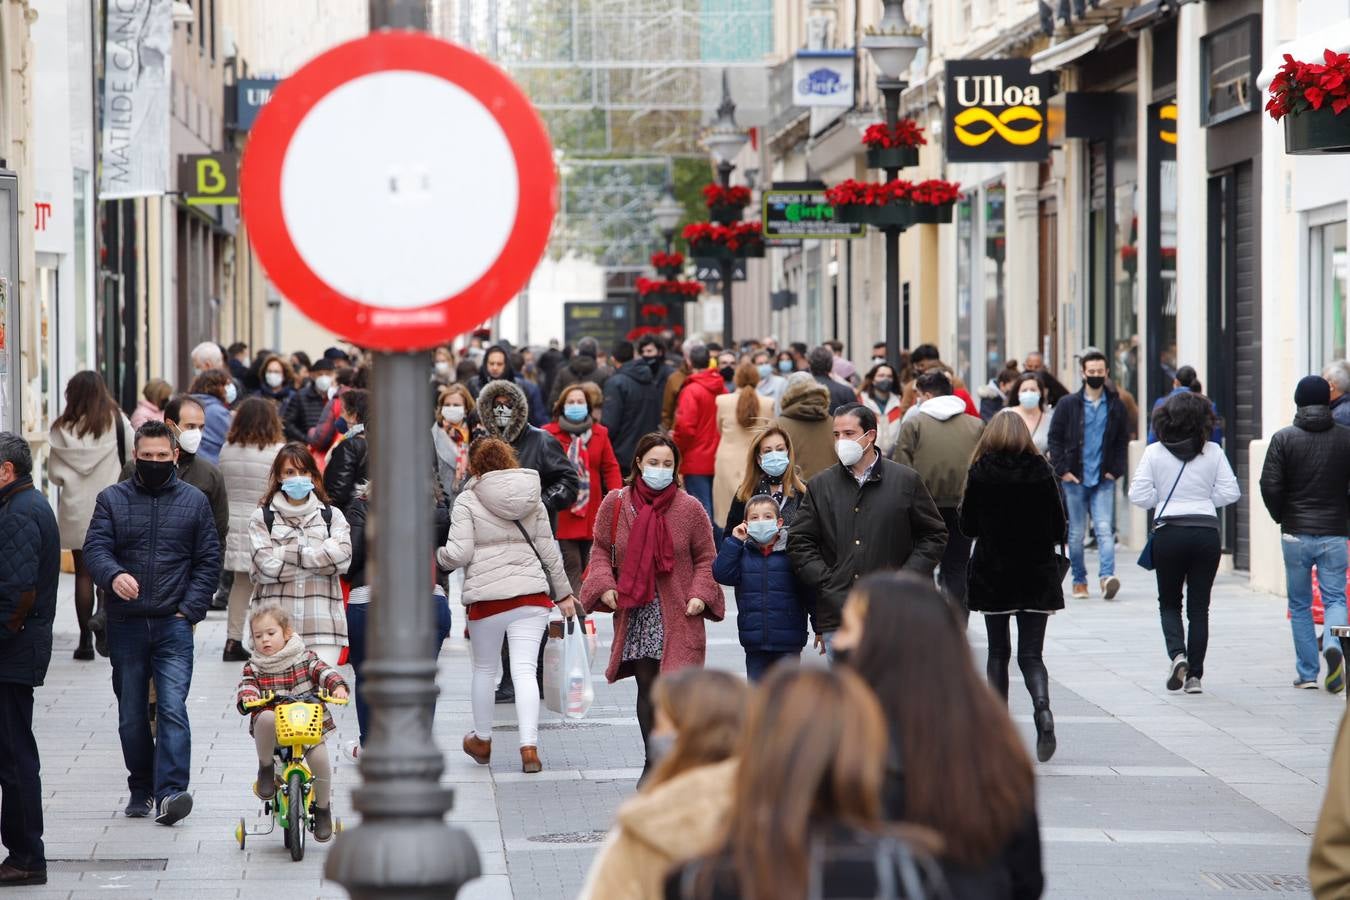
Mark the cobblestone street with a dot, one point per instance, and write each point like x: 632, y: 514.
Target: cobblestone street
x: 1150, y: 795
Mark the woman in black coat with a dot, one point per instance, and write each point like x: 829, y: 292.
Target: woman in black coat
x: 1015, y: 569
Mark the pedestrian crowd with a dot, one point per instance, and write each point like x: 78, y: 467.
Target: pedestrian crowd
x: 862, y: 514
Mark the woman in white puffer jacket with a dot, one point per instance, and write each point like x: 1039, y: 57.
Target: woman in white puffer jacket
x: 513, y: 574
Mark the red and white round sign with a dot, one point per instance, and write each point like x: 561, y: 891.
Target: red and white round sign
x: 398, y: 189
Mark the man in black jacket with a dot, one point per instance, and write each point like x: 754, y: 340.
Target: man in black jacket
x: 152, y: 542
x: 349, y: 463
x: 30, y: 567
x: 582, y: 367
x: 821, y: 362
x: 1089, y: 443
x: 1304, y: 484
x: 305, y: 408
x: 863, y: 515
x: 633, y: 401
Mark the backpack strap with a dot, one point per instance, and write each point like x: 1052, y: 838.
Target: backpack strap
x: 121, y: 440
x: 269, y: 516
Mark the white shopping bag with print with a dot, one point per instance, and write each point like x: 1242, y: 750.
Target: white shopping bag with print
x: 567, y: 670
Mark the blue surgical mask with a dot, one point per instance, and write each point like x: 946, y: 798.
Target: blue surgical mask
x: 297, y: 488
x: 231, y: 394
x: 1029, y: 399
x: 763, y: 531
x: 765, y: 370
x: 576, y: 412
x: 658, y: 478
x: 774, y: 463
x: 785, y: 366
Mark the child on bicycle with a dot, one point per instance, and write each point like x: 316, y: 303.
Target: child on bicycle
x: 281, y: 665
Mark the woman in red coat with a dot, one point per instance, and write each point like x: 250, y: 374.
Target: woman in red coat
x: 586, y: 443
x: 661, y: 588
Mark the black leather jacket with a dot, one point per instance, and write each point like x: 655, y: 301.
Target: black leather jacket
x: 348, y: 467
x: 1306, y: 477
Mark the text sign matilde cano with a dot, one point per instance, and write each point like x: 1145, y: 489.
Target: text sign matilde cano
x: 135, y: 159
x: 794, y: 215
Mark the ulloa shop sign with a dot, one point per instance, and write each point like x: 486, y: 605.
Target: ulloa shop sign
x: 996, y: 111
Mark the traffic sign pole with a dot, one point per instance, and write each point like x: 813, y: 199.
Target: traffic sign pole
x: 403, y: 847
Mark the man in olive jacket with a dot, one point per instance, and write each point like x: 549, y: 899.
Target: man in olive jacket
x: 30, y: 568
x: 863, y: 515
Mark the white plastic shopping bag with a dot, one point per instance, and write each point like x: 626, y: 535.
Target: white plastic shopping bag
x: 567, y: 671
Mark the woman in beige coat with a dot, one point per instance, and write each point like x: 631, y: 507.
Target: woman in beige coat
x: 256, y: 435
x: 680, y: 812
x: 513, y: 576
x: 739, y: 417
x: 90, y: 442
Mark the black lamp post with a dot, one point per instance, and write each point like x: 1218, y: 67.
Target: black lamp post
x: 666, y: 215
x: 893, y: 45
x: 724, y: 140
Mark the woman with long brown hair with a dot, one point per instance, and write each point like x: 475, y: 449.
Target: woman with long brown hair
x: 956, y: 763
x: 255, y: 438
x: 651, y: 565
x: 806, y: 814
x: 214, y: 389
x: 770, y: 468
x: 300, y: 544
x: 450, y: 437
x: 89, y: 443
x: 1014, y: 570
x: 739, y: 416
x: 678, y: 813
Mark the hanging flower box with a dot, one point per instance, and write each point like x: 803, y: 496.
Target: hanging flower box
x: 893, y: 148
x: 740, y: 240
x: 933, y: 201
x: 668, y: 265
x: 1312, y: 99
x: 931, y: 214
x: 726, y: 204
x: 892, y: 157
x: 853, y: 213
x: 668, y: 292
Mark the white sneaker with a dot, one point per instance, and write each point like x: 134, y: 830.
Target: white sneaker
x: 352, y: 750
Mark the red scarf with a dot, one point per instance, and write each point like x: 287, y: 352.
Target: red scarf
x: 650, y: 551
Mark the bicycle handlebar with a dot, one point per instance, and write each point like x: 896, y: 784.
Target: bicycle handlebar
x: 270, y: 698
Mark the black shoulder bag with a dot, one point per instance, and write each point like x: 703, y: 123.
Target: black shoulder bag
x: 1146, y: 557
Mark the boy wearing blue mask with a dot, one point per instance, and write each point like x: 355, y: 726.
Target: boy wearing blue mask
x: 771, y: 609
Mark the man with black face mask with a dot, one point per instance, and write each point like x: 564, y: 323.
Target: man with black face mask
x: 153, y: 544
x: 1089, y: 439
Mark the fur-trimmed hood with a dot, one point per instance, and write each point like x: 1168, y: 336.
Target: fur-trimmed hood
x: 520, y: 409
x: 805, y: 400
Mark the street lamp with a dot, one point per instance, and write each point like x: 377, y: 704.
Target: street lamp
x: 666, y: 214
x: 724, y: 139
x: 893, y: 44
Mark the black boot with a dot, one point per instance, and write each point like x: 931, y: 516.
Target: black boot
x: 1038, y: 686
x: 506, y: 691
x: 997, y: 670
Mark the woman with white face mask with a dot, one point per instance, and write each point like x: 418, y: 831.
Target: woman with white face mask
x: 1029, y: 399
x: 276, y: 380
x: 651, y: 565
x: 451, y: 435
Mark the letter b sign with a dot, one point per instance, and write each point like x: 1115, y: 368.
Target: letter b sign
x: 209, y: 180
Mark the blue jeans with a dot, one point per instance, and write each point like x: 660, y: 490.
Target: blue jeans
x: 142, y: 649
x: 356, y: 651
x: 1328, y: 554
x: 758, y: 662
x: 700, y: 487
x: 1099, y: 502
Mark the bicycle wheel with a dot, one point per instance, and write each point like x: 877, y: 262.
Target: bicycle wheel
x: 295, y: 825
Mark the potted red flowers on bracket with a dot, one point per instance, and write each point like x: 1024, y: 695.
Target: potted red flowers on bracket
x: 659, y: 293
x: 741, y: 240
x: 894, y: 204
x: 893, y: 148
x: 1312, y: 99
x: 726, y: 204
x: 668, y: 265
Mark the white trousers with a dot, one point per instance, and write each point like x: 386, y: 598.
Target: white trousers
x: 523, y: 628
x: 329, y: 653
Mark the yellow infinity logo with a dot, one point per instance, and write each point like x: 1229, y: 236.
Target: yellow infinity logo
x: 998, y: 124
x: 1168, y: 113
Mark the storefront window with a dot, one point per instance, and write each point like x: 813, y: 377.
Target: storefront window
x: 1113, y: 220
x: 81, y: 259
x: 1328, y: 274
x: 965, y: 252
x: 995, y: 255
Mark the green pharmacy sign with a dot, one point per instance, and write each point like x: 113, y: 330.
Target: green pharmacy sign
x: 795, y: 215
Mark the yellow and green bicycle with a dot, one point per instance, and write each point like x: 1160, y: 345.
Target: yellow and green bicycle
x: 299, y: 727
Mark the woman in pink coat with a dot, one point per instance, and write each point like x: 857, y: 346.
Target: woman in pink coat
x: 651, y: 565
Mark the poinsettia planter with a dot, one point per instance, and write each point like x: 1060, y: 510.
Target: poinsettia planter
x: 726, y: 215
x: 931, y: 213
x: 853, y: 213
x: 750, y: 251
x: 892, y: 157
x: 893, y: 215
x: 670, y: 273
x: 710, y: 249
x: 1317, y: 131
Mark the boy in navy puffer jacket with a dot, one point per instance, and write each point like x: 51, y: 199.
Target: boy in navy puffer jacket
x: 771, y: 609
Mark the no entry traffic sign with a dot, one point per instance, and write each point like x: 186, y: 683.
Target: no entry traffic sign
x: 398, y: 189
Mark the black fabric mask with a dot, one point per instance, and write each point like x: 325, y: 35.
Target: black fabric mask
x: 883, y: 384
x: 1094, y: 381
x: 154, y: 473
x: 655, y: 362
x: 728, y: 372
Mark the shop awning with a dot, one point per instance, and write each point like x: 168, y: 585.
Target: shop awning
x: 1308, y: 48
x: 1066, y: 51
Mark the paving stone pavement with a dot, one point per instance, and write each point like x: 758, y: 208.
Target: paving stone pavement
x: 1151, y: 794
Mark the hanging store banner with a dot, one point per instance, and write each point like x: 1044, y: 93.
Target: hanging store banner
x: 996, y: 111
x: 823, y: 78
x: 791, y: 216
x: 135, y: 160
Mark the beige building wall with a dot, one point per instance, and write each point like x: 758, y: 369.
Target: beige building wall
x: 16, y: 124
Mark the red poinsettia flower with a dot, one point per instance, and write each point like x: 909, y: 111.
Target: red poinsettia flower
x: 1299, y: 86
x: 667, y: 260
x: 936, y: 192
x: 906, y: 133
x: 715, y: 195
